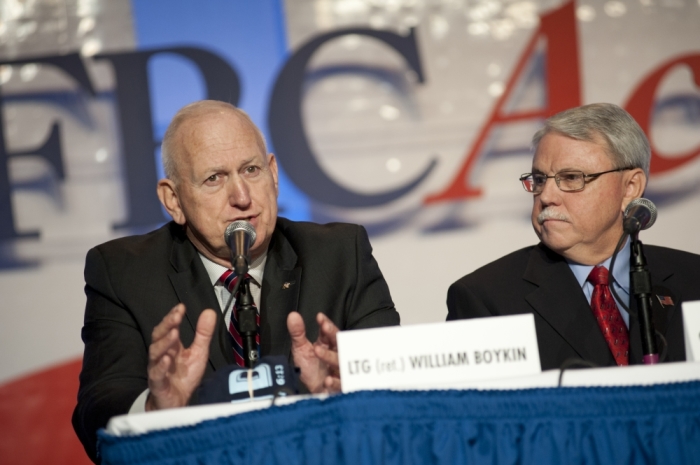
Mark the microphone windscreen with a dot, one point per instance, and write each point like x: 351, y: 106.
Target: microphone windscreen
x: 240, y: 225
x: 645, y: 205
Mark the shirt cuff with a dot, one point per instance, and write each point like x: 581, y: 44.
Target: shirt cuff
x: 139, y: 405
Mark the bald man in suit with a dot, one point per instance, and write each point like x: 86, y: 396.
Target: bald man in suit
x: 154, y: 325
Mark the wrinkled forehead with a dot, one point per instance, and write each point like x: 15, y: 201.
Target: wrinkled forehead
x: 557, y: 150
x: 213, y: 124
x: 213, y: 131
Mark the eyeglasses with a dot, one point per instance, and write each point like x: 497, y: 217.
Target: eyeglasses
x: 567, y: 181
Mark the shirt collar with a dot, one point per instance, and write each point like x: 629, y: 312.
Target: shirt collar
x: 621, y: 273
x: 214, y: 270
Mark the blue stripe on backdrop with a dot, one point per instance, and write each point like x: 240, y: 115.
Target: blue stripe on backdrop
x: 249, y: 35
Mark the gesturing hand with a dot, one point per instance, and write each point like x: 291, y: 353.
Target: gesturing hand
x: 318, y: 361
x: 173, y: 371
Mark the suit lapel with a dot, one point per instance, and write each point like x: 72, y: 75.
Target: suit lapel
x: 560, y: 301
x: 193, y: 288
x: 280, y: 295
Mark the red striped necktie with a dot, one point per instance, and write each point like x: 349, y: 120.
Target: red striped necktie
x: 229, y: 280
x: 608, y: 316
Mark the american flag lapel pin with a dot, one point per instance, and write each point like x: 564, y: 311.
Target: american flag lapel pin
x: 665, y: 300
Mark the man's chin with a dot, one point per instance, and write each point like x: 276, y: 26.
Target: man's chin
x: 555, y: 243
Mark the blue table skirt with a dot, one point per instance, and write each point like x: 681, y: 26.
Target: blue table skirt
x: 621, y: 425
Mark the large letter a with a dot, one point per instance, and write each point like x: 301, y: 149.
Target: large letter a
x: 563, y: 91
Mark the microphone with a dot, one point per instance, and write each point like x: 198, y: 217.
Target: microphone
x: 239, y: 236
x: 640, y: 214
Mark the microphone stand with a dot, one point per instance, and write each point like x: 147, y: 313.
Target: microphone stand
x: 640, y: 285
x: 247, y: 326
x: 247, y: 314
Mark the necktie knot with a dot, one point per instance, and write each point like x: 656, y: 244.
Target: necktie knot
x: 228, y: 279
x: 598, y: 275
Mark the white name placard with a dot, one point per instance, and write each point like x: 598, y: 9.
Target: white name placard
x: 438, y: 355
x: 691, y: 324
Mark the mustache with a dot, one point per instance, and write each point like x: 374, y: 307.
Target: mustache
x: 549, y: 214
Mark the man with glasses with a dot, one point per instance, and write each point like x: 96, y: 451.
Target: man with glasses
x: 590, y: 162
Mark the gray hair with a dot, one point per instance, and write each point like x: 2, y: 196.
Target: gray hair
x: 195, y: 110
x: 626, y: 143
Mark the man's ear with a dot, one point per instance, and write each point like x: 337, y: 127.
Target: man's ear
x: 635, y: 183
x: 167, y: 193
x: 272, y: 164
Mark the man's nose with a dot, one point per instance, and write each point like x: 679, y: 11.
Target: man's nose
x: 550, y: 192
x: 239, y: 193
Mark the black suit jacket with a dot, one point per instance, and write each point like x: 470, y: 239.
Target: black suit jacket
x: 537, y: 280
x: 133, y: 282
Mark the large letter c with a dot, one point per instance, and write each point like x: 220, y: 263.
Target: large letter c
x: 287, y: 128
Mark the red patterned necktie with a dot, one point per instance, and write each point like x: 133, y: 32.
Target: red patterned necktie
x: 608, y: 316
x: 229, y: 280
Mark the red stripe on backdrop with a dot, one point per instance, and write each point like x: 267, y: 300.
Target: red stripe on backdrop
x: 35, y: 418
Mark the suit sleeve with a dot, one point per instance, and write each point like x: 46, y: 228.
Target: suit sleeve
x: 115, y: 358
x: 371, y: 305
